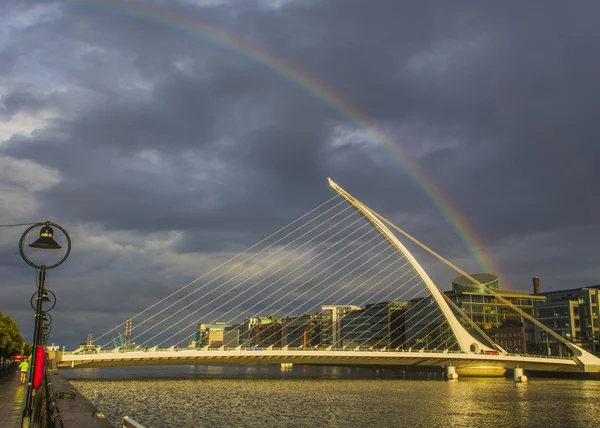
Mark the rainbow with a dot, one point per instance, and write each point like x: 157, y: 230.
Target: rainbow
x: 450, y: 212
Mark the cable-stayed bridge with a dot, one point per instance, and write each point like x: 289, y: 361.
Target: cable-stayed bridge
x: 335, y: 286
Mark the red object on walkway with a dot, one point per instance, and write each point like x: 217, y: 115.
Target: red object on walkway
x: 40, y: 362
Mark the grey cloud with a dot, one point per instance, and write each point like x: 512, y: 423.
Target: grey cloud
x: 159, y: 130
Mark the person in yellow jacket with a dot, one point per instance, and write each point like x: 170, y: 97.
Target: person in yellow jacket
x: 23, y: 367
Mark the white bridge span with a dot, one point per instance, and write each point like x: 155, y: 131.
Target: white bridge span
x: 459, y: 360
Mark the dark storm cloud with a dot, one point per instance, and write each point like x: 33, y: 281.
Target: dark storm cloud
x: 151, y: 130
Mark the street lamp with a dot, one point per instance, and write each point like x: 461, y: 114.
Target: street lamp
x: 46, y: 327
x: 45, y: 242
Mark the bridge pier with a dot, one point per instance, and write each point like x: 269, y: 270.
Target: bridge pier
x: 518, y: 375
x: 451, y: 372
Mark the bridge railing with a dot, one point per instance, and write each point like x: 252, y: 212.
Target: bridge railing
x: 296, y: 349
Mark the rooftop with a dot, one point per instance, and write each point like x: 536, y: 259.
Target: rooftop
x: 571, y: 290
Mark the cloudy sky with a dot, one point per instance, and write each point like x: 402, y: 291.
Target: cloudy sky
x: 166, y: 136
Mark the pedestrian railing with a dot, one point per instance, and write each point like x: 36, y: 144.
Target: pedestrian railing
x: 53, y: 418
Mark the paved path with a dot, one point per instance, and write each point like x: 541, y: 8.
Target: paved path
x: 11, y: 399
x: 75, y: 410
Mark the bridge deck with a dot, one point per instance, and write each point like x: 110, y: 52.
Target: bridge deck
x: 277, y: 356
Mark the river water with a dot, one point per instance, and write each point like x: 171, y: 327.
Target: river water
x: 314, y: 396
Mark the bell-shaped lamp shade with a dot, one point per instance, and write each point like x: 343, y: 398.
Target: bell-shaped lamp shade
x: 46, y: 240
x: 45, y: 298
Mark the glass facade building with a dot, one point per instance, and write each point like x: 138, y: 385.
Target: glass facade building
x: 426, y: 327
x: 574, y: 315
x: 378, y: 325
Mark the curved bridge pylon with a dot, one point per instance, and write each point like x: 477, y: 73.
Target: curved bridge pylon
x: 586, y: 361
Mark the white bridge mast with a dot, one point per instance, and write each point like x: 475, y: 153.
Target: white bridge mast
x: 465, y: 340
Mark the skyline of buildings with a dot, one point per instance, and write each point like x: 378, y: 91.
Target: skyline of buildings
x: 418, y: 323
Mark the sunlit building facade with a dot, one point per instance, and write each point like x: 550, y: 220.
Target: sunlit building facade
x: 427, y: 328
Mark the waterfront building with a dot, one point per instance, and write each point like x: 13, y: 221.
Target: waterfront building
x: 210, y: 335
x: 333, y: 328
x: 378, y: 325
x: 574, y: 315
x: 484, y: 309
x: 231, y: 336
x: 260, y: 331
x: 511, y: 336
x: 305, y: 330
x: 426, y: 328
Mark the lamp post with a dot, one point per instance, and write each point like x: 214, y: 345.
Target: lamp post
x: 46, y: 242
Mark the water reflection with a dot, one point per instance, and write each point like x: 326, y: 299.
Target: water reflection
x: 258, y: 396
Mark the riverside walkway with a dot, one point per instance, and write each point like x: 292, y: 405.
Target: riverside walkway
x: 75, y: 409
x: 12, y: 396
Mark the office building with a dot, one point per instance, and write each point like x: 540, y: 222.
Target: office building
x: 308, y: 330
x: 333, y: 329
x: 210, y: 335
x: 574, y: 315
x: 378, y: 325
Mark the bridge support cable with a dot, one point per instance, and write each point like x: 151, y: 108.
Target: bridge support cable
x: 292, y: 281
x: 229, y: 261
x: 263, y: 260
x: 474, y: 325
x: 326, y: 221
x: 336, y: 282
x: 294, y: 270
x: 415, y: 335
x: 440, y: 336
x: 252, y: 267
x: 310, y: 329
x: 384, y: 298
x: 268, y: 257
x: 302, y: 294
x: 467, y: 342
x: 454, y: 343
x: 292, y: 262
x: 326, y: 340
x: 586, y: 360
x: 368, y: 322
